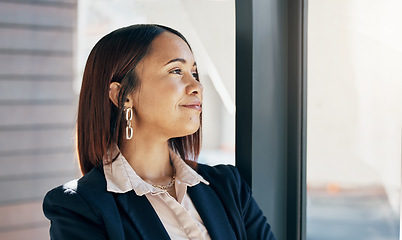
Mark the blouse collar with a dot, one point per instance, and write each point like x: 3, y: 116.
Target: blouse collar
x: 121, y: 177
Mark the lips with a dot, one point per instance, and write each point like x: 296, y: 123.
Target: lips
x: 196, y: 104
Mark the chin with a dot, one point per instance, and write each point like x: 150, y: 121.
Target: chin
x: 188, y: 132
x: 194, y: 129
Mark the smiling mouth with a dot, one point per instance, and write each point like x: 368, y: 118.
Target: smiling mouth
x: 195, y: 104
x: 195, y: 107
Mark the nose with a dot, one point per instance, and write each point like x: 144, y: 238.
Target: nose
x: 194, y: 87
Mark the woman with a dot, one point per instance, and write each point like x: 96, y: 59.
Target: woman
x: 139, y: 123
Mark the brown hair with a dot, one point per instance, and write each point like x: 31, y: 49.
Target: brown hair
x: 99, y: 121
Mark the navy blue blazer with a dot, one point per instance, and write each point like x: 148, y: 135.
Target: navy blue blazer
x: 84, y: 209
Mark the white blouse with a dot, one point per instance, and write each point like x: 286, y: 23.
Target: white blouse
x: 179, y: 217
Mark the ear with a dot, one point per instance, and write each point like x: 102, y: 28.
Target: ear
x: 114, y: 90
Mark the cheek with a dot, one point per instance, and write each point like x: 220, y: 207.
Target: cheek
x: 156, y: 105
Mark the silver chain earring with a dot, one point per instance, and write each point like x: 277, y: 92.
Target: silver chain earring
x: 129, y: 117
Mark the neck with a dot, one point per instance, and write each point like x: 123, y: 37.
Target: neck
x: 149, y: 158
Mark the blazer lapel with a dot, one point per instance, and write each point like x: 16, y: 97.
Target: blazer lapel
x: 211, y: 211
x: 142, y: 215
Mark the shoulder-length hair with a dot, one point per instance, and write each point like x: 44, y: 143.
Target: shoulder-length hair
x: 99, y: 122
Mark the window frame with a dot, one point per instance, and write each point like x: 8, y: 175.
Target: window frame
x: 271, y: 80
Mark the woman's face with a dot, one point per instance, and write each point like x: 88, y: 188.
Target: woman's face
x: 168, y: 102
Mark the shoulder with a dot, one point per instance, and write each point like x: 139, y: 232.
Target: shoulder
x: 221, y: 171
x: 81, y: 208
x: 79, y: 195
x: 223, y: 177
x: 93, y: 181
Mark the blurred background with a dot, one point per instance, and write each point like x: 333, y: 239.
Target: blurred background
x: 354, y: 103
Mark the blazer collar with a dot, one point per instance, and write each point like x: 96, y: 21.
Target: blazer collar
x: 144, y: 218
x: 211, y: 211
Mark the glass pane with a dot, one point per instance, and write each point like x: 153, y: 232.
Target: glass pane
x: 354, y: 119
x: 211, y: 38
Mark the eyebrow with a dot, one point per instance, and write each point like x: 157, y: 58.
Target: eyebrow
x: 182, y: 60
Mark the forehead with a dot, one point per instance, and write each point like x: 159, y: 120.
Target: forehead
x: 168, y: 46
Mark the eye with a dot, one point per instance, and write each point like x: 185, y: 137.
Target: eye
x: 195, y: 75
x: 177, y: 71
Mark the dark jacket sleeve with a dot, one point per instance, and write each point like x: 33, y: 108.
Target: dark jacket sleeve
x: 71, y: 217
x: 235, y: 193
x: 254, y: 220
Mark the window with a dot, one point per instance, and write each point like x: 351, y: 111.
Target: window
x: 354, y: 119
